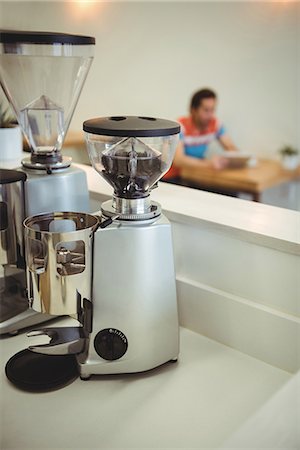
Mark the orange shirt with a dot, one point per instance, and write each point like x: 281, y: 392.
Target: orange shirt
x: 195, y: 141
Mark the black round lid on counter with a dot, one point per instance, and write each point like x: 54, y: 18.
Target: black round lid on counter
x: 131, y: 126
x: 43, y: 37
x: 11, y: 176
x: 35, y: 372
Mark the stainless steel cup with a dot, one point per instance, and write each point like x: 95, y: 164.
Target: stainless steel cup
x: 59, y: 250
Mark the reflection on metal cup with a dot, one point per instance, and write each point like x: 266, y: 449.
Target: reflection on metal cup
x: 59, y: 260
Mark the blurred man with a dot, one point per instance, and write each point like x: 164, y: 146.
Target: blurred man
x: 198, y: 130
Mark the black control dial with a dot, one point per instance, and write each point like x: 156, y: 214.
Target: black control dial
x: 110, y: 344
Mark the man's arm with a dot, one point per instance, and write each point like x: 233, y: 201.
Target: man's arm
x: 227, y: 143
x: 182, y: 160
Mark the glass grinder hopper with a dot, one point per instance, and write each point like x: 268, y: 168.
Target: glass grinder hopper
x: 131, y: 153
x: 42, y: 75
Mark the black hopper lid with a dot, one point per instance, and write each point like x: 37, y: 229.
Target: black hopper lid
x: 11, y: 176
x: 43, y: 37
x: 131, y: 126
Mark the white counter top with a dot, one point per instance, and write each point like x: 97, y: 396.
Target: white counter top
x: 265, y: 225
x: 204, y: 400
x: 215, y: 396
x: 254, y: 222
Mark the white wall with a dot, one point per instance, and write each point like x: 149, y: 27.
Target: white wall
x: 151, y: 56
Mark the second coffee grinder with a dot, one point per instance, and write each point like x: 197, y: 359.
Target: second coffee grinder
x: 42, y: 75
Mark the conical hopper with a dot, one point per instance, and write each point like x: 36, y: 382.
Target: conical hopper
x: 132, y: 153
x: 42, y: 75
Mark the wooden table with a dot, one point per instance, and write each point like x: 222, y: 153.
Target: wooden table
x: 266, y: 174
x: 74, y: 139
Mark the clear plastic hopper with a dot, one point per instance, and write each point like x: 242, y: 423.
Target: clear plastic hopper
x: 42, y: 75
x: 131, y: 153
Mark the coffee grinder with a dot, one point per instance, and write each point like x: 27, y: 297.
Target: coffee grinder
x: 42, y: 75
x: 135, y: 319
x: 123, y: 290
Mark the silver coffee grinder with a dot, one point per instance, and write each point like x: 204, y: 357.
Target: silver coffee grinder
x: 114, y: 270
x: 135, y: 319
x: 42, y: 75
